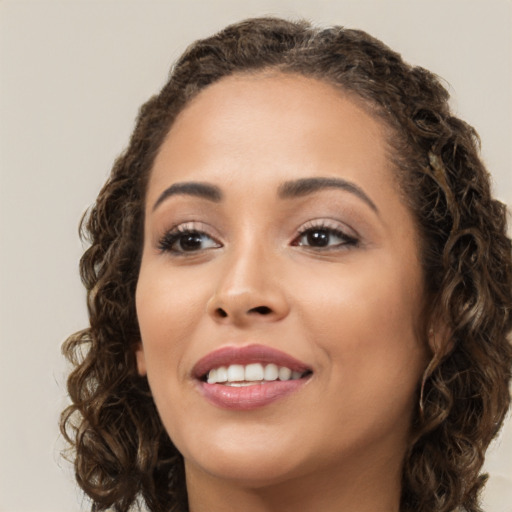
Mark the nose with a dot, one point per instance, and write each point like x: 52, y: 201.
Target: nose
x: 249, y: 290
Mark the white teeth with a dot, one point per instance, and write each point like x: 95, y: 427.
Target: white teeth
x: 236, y: 373
x: 284, y: 373
x: 245, y: 375
x: 271, y: 372
x: 222, y: 374
x: 254, y: 372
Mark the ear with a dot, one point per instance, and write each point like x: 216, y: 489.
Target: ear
x: 440, y: 339
x: 440, y: 342
x: 140, y: 359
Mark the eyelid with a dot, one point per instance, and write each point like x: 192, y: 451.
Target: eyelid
x: 164, y: 240
x: 326, y: 223
x: 348, y: 238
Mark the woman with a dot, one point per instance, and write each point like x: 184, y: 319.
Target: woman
x: 299, y: 288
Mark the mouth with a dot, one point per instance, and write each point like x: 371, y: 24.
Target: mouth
x: 244, y: 378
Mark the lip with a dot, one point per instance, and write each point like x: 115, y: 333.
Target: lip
x: 226, y: 356
x: 253, y: 396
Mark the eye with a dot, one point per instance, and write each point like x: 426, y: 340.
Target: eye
x: 324, y: 237
x: 186, y: 239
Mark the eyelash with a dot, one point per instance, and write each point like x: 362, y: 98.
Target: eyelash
x: 314, y: 226
x: 176, y: 235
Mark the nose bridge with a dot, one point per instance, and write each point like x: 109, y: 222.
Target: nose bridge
x: 248, y: 288
x: 245, y: 264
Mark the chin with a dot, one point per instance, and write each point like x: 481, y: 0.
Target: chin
x: 253, y: 471
x: 249, y: 460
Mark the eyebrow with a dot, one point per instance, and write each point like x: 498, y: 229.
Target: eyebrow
x: 305, y: 186
x: 288, y: 190
x: 192, y: 188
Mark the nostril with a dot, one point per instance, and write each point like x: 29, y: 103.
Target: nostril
x: 221, y: 313
x: 262, y: 310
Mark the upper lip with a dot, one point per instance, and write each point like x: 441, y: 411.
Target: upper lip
x: 226, y: 356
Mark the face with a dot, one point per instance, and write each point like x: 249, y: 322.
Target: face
x: 280, y: 287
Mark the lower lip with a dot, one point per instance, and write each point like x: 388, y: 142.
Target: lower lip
x: 246, y: 398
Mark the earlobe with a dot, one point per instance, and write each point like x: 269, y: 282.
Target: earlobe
x: 140, y: 359
x: 440, y: 340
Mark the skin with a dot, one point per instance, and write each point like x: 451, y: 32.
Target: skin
x: 351, y: 311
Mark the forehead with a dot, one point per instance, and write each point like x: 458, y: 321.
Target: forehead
x: 262, y: 127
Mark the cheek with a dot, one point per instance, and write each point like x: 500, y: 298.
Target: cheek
x: 366, y: 321
x: 168, y: 315
x: 367, y: 332
x: 168, y: 311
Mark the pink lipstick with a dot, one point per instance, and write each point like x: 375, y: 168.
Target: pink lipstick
x: 245, y: 378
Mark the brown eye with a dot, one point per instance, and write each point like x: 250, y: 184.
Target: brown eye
x: 318, y: 238
x: 189, y: 242
x: 186, y: 242
x: 324, y: 238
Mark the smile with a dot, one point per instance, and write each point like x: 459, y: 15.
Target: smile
x: 245, y: 378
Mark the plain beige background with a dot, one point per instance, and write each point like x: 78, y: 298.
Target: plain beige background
x: 72, y: 76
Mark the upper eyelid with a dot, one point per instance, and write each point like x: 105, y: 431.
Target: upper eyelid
x: 192, y: 226
x: 331, y: 224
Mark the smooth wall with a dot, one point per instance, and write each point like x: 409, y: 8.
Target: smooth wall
x: 72, y: 76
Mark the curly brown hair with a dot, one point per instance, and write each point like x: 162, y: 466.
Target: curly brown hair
x: 123, y: 454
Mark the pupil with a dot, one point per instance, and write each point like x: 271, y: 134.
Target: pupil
x: 319, y: 238
x: 190, y: 241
